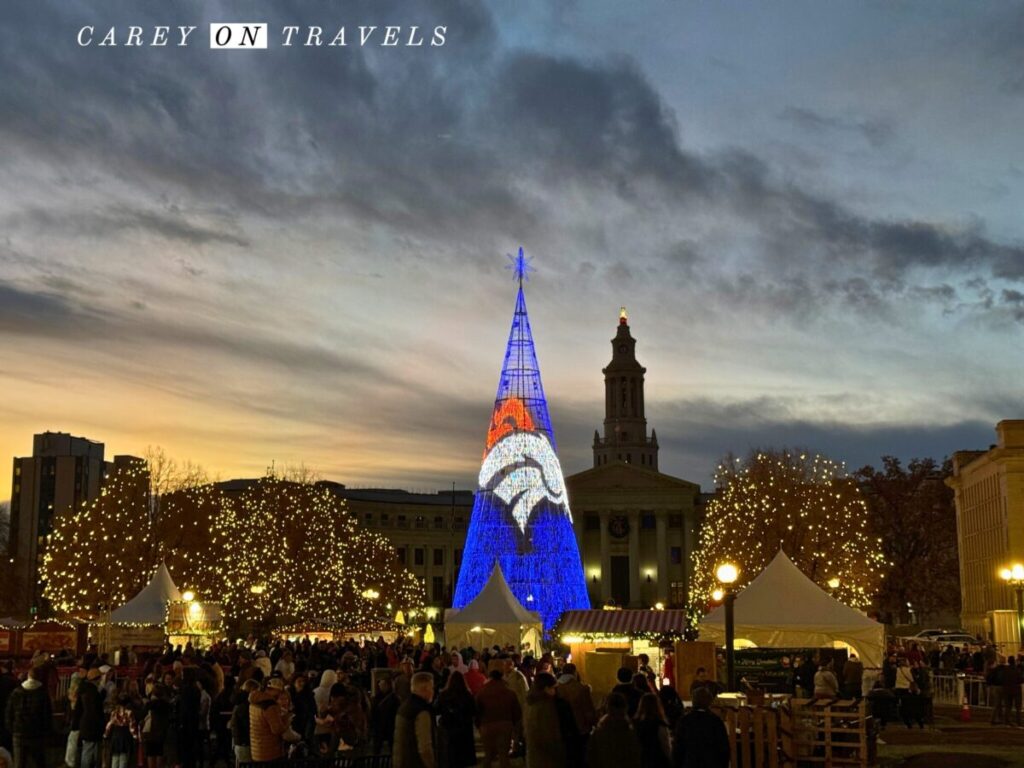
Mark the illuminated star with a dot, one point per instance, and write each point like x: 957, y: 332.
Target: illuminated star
x: 520, y: 266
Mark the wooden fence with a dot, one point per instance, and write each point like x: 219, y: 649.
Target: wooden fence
x: 821, y: 732
x: 801, y: 733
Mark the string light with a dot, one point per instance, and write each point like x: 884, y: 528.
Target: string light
x: 278, y: 548
x: 521, y: 516
x: 804, y: 504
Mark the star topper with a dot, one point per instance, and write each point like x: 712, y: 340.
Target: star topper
x: 520, y: 266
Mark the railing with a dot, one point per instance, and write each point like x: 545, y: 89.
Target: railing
x: 954, y: 689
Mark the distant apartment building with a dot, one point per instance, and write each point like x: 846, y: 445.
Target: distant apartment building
x: 989, y: 488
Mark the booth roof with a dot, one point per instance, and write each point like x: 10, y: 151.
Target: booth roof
x: 494, y: 605
x: 782, y: 608
x: 150, y: 605
x: 622, y: 623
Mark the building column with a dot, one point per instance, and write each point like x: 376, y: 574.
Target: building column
x: 606, y: 559
x: 661, y: 521
x: 634, y: 558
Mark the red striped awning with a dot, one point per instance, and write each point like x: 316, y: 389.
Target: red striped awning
x: 622, y: 623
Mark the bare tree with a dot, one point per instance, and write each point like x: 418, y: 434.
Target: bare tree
x: 298, y: 473
x: 5, y: 525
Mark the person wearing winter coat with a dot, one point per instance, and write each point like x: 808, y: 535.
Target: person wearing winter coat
x: 28, y: 717
x: 121, y: 730
x: 267, y: 724
x: 613, y: 743
x: 580, y: 697
x: 826, y: 686
x: 87, y: 719
x: 701, y: 740
x: 189, y: 718
x: 239, y: 723
x: 652, y: 730
x: 156, y: 725
x: 549, y: 725
x: 414, y: 726
x: 383, y: 710
x: 8, y: 682
x: 322, y: 698
x: 455, y: 709
x: 475, y: 679
x: 497, y: 715
x: 303, y: 707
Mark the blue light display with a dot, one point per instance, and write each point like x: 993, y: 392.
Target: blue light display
x: 521, y: 517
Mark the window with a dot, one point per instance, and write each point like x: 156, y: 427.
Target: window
x: 592, y: 522
x: 437, y: 589
x: 439, y: 522
x: 401, y: 554
x: 676, y: 555
x: 418, y: 556
x: 675, y: 521
x: 421, y: 521
x: 438, y: 556
x: 368, y: 518
x: 403, y: 521
x: 385, y: 520
x: 460, y: 522
x: 629, y: 458
x: 677, y: 593
x: 647, y: 520
x: 458, y: 557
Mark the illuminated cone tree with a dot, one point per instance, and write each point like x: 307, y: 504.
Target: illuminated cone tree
x: 521, y: 516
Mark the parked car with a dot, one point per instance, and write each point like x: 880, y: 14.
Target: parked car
x: 926, y: 635
x: 955, y: 638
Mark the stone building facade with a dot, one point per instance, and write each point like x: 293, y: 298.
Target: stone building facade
x: 989, y: 488
x: 636, y: 526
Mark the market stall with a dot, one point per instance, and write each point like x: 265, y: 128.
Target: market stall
x: 782, y: 608
x: 625, y: 632
x: 494, y: 617
x: 142, y: 621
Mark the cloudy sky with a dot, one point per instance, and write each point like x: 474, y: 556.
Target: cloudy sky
x: 812, y: 211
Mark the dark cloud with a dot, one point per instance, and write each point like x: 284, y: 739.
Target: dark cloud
x: 113, y: 221
x: 696, y: 434
x: 38, y: 313
x: 877, y: 132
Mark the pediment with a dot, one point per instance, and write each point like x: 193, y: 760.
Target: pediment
x: 622, y: 476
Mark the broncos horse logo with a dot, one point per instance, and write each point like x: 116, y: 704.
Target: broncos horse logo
x: 522, y: 470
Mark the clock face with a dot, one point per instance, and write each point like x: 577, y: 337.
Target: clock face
x: 618, y: 527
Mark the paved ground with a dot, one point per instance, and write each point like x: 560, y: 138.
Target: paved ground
x: 953, y: 744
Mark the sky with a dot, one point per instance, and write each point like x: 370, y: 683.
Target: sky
x: 812, y: 212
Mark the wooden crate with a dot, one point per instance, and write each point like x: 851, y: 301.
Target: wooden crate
x: 829, y: 733
x: 754, y: 736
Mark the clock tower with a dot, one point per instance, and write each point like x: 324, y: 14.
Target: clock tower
x: 625, y: 426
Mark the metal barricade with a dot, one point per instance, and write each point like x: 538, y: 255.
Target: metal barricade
x: 954, y: 689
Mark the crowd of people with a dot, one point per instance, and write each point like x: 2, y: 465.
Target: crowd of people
x: 237, y: 704
x: 266, y: 703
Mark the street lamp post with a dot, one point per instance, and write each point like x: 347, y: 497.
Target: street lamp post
x: 727, y: 573
x: 1014, y: 577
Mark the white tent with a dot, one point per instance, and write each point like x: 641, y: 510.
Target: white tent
x: 150, y: 605
x: 494, y: 617
x: 782, y: 608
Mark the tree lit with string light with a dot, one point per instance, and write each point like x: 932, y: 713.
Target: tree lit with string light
x: 804, y: 504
